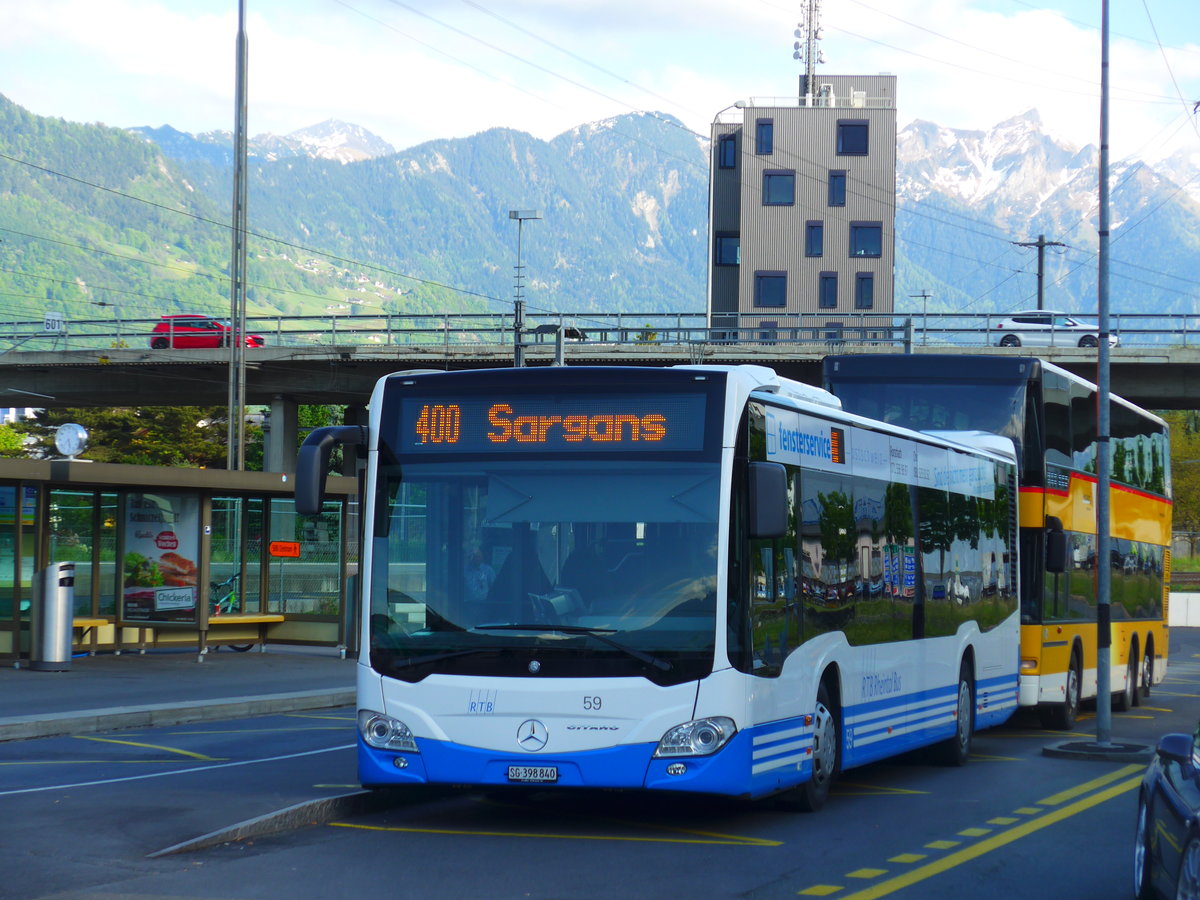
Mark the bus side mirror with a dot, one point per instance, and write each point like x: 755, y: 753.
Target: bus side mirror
x: 768, y: 500
x: 1056, y: 546
x: 313, y: 460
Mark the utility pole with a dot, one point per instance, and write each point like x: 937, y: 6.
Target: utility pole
x: 1041, y: 243
x: 924, y: 295
x: 236, y: 455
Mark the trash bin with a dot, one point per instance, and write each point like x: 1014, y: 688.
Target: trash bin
x: 53, y: 614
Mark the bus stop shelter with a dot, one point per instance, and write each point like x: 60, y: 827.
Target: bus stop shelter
x: 174, y: 557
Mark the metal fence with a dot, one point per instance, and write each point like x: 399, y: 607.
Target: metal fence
x: 465, y: 330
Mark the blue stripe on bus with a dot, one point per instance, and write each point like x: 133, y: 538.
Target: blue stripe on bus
x: 759, y: 760
x: 631, y: 767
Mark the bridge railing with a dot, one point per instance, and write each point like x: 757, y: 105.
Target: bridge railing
x: 464, y: 331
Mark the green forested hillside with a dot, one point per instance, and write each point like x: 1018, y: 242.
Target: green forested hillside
x: 97, y: 222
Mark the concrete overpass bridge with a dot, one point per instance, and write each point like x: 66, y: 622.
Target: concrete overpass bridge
x: 328, y: 362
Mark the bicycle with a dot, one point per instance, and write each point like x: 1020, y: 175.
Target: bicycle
x: 223, y: 598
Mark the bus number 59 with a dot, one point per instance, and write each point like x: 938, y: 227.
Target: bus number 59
x: 591, y: 702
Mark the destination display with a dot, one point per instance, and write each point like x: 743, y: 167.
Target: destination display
x: 568, y: 422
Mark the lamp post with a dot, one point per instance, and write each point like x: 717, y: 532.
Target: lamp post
x: 522, y: 216
x: 236, y: 455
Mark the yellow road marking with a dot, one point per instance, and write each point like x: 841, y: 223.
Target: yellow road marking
x: 974, y: 832
x: 855, y: 789
x: 1027, y: 810
x: 1157, y: 709
x: 820, y: 890
x: 201, y: 756
x: 909, y: 857
x: 1089, y: 786
x: 733, y: 840
x: 993, y: 843
x: 866, y: 873
x: 942, y: 845
x: 1002, y: 820
x: 986, y: 758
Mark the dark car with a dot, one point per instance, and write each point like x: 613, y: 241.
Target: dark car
x: 1166, y: 851
x: 187, y: 331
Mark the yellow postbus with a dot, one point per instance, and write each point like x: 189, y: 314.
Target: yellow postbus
x: 1051, y: 416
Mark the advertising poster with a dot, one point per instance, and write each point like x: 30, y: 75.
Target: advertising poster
x: 162, y: 543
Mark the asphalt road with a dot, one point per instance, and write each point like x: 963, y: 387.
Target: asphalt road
x: 81, y: 817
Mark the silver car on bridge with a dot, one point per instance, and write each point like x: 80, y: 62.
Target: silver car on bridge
x: 1048, y: 328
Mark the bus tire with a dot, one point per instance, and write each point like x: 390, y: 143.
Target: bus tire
x: 811, y: 796
x: 1061, y: 716
x: 955, y: 750
x: 1147, y: 680
x: 1123, y: 701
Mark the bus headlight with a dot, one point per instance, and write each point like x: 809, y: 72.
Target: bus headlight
x: 700, y: 737
x: 385, y: 733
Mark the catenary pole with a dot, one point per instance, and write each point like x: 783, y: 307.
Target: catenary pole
x: 1104, y: 462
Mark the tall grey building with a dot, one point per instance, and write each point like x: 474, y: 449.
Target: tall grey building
x: 802, y: 208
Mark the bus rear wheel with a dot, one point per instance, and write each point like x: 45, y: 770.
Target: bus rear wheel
x: 826, y: 752
x: 1124, y: 701
x: 1147, y: 676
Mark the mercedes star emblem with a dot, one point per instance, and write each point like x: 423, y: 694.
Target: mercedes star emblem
x: 532, y: 735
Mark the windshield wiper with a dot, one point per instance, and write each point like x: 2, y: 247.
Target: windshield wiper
x: 600, y: 634
x: 400, y: 661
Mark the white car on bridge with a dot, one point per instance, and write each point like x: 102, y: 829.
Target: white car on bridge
x: 1048, y: 328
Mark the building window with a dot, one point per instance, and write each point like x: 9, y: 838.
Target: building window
x: 779, y: 188
x: 866, y: 238
x: 852, y: 137
x: 827, y: 295
x: 728, y: 250
x: 864, y: 290
x: 764, y: 136
x: 837, y: 187
x: 727, y: 151
x: 770, y: 288
x: 814, y: 239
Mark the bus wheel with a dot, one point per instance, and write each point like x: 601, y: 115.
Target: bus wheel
x: 811, y: 796
x: 1123, y: 702
x: 955, y: 750
x: 1062, y: 716
x: 1147, y: 676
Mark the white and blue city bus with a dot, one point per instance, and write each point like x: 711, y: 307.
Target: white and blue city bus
x: 698, y: 578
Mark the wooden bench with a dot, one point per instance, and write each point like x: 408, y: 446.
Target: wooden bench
x: 243, y: 621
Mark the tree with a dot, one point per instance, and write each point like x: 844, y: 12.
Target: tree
x: 1185, y: 468
x: 189, y: 436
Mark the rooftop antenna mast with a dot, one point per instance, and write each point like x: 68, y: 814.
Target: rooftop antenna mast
x: 808, y: 32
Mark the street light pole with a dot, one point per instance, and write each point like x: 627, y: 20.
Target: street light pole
x: 924, y: 295
x: 521, y: 215
x: 236, y: 453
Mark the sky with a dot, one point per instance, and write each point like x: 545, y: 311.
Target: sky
x: 417, y: 70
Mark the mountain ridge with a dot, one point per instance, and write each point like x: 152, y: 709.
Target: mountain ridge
x: 426, y: 229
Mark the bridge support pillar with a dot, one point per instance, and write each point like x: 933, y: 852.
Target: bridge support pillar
x: 281, y: 442
x: 355, y: 415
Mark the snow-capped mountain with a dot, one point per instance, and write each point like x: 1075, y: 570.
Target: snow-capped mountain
x: 967, y: 199
x: 331, y: 139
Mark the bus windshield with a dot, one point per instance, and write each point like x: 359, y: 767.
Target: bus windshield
x: 566, y: 567
x: 937, y: 405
